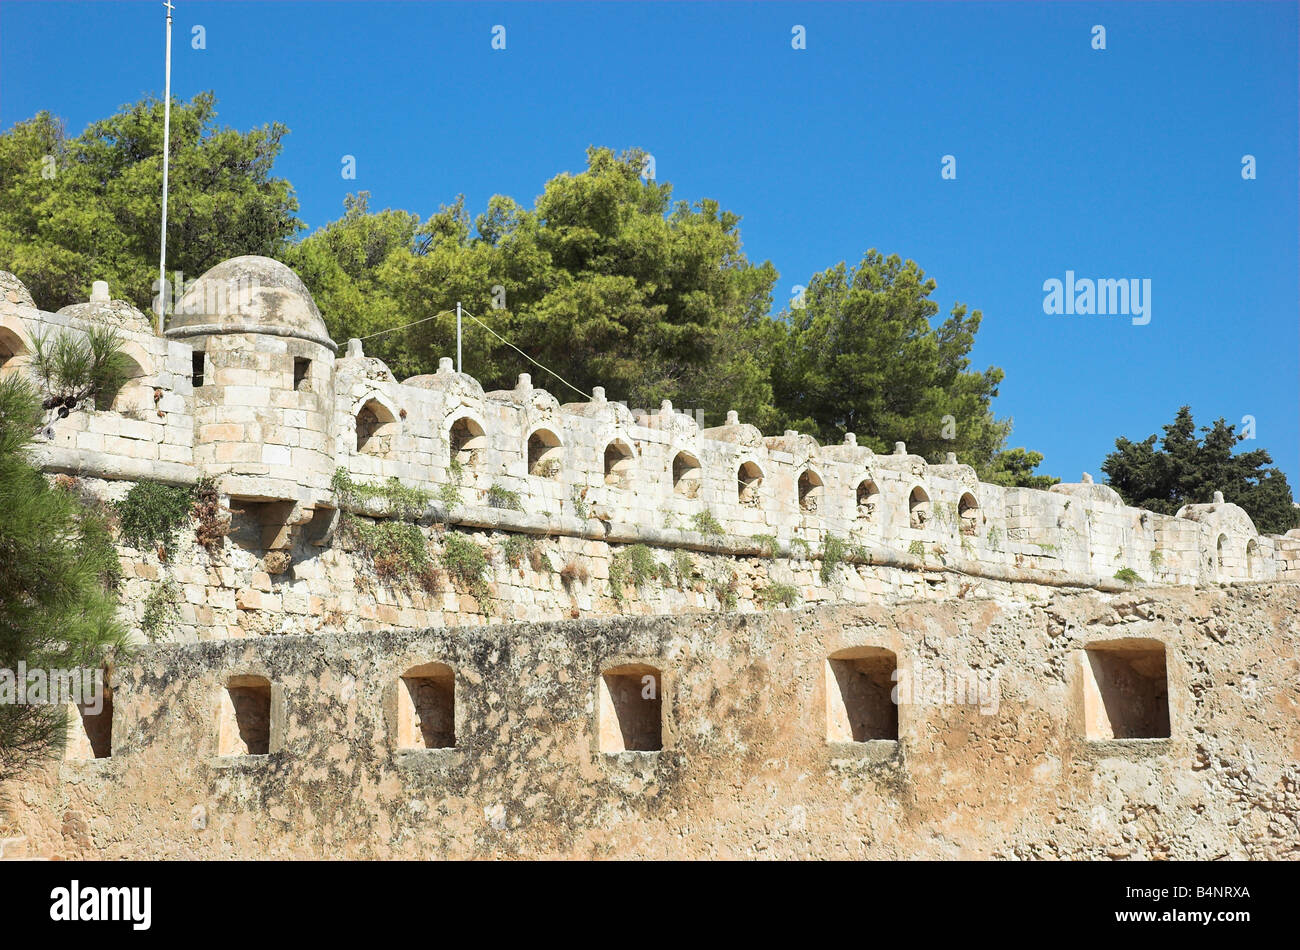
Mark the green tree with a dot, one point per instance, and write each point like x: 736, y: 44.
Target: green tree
x: 76, y: 210
x: 606, y: 281
x: 1186, y: 469
x: 862, y: 356
x: 57, y: 570
x: 1014, y: 468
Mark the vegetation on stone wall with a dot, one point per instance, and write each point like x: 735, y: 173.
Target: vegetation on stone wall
x: 161, y: 609
x: 467, y: 566
x: 518, y: 547
x: 399, y: 501
x: 1128, y: 576
x: 150, y: 514
x: 635, y: 565
x: 778, y: 595
x: 395, y: 546
x: 75, y: 368
x: 213, y: 518
x: 500, y: 497
x: 57, y: 562
x: 706, y: 523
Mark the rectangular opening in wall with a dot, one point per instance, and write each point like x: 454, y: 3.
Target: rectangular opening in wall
x: 90, y: 729
x: 631, y: 709
x: 426, y: 712
x: 197, y: 359
x: 859, y: 695
x: 1125, y: 690
x: 245, y: 727
x: 301, y: 371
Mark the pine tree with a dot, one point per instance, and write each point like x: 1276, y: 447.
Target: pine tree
x: 58, y: 568
x: 1189, y: 470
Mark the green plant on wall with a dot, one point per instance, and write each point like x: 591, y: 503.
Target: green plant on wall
x: 518, y: 547
x: 803, y: 548
x: 705, y: 523
x: 1157, y: 559
x: 1128, y: 576
x: 635, y: 565
x: 395, y: 547
x: 834, y: 552
x: 578, y: 499
x: 161, y: 609
x: 467, y: 566
x: 784, y: 595
x: 766, y: 543
x: 151, y: 512
x: 500, y: 497
x: 994, y: 538
x: 400, y: 501
x: 917, y: 549
x: 73, y: 368
x: 449, y: 491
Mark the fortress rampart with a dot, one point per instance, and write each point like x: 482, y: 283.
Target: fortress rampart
x: 301, y: 703
x: 256, y: 396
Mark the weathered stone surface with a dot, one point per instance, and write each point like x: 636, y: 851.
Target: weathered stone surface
x: 745, y: 768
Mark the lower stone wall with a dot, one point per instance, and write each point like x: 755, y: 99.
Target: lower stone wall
x: 745, y: 768
x: 322, y: 582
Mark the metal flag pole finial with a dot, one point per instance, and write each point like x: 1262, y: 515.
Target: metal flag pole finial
x: 167, y: 138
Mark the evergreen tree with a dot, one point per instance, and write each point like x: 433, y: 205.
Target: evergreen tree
x: 1189, y: 470
x: 77, y: 210
x: 58, y: 569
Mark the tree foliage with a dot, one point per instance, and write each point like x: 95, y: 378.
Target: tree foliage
x: 57, y: 570
x: 862, y: 356
x: 77, y: 210
x: 1185, y: 469
x: 606, y: 280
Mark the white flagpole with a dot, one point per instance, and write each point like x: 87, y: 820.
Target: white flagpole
x: 167, y: 138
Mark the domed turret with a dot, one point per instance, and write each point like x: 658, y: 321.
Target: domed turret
x: 249, y: 294
x: 263, y: 378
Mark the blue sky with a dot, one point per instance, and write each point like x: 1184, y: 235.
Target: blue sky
x: 1122, y: 163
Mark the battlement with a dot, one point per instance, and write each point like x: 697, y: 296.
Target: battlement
x: 247, y: 388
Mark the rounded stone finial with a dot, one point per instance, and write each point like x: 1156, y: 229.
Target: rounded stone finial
x: 792, y: 433
x: 354, y: 349
x: 850, y: 438
x: 950, y: 458
x: 733, y: 417
x: 525, y: 381
x: 666, y: 407
x: 444, y: 364
x: 99, y: 292
x: 1087, y: 479
x: 597, y: 393
x: 900, y: 448
x: 1218, y: 497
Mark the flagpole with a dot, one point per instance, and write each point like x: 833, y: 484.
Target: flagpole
x: 167, y: 138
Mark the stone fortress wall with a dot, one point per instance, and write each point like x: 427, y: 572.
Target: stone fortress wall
x: 301, y: 705
x: 247, y: 387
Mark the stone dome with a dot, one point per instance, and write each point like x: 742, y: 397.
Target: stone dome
x: 249, y: 294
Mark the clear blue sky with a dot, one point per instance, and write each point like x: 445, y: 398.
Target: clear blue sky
x: 1117, y: 163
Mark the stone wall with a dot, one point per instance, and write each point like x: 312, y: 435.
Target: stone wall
x: 1042, y: 764
x: 276, y: 413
